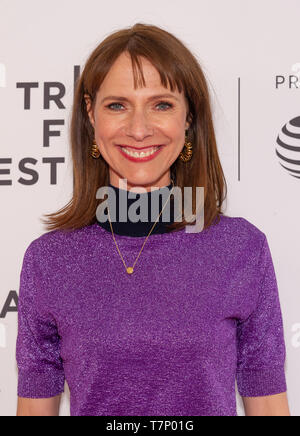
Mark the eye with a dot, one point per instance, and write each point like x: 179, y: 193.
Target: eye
x: 165, y: 103
x: 162, y: 103
x: 114, y: 104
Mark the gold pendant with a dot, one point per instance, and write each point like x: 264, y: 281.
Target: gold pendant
x: 129, y: 270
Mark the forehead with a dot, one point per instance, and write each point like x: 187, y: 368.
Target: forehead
x: 120, y: 77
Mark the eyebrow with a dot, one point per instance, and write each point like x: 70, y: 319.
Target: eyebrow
x: 153, y: 97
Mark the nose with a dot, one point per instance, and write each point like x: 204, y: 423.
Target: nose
x: 139, y: 125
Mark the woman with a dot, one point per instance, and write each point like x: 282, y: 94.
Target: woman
x: 145, y: 318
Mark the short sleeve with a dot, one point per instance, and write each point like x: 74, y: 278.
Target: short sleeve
x: 260, y: 337
x: 40, y: 367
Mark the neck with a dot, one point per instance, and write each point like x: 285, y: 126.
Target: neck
x: 123, y: 226
x: 122, y: 184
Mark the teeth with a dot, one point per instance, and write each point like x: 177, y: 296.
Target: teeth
x: 142, y: 154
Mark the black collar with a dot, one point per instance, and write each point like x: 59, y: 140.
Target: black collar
x: 140, y: 228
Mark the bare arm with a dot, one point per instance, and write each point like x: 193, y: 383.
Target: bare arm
x: 39, y: 406
x: 272, y: 405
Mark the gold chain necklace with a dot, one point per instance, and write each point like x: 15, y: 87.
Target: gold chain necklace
x: 129, y: 269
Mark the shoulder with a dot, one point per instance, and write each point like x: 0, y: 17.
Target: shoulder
x: 240, y: 233
x: 58, y: 243
x: 241, y: 225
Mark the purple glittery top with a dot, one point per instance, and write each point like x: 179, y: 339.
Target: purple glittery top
x: 200, y: 311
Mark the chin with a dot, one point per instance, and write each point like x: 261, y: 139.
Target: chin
x: 143, y: 182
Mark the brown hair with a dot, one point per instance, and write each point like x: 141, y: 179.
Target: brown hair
x: 178, y: 68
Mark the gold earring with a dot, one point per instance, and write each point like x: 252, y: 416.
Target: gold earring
x: 95, y: 150
x: 185, y: 157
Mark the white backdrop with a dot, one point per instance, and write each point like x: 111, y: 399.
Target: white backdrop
x: 249, y: 51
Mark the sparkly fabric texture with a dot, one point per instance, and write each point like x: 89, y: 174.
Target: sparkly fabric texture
x: 200, y: 311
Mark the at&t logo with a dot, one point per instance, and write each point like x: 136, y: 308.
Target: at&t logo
x: 288, y: 147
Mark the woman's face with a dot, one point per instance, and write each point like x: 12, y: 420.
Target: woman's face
x: 128, y: 119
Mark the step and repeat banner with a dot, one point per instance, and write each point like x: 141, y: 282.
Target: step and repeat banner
x: 250, y: 54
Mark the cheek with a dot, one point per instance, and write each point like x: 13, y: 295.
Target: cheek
x: 175, y: 125
x: 172, y: 127
x: 106, y: 129
x: 176, y: 132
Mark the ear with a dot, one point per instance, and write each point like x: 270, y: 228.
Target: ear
x: 88, y: 103
x: 188, y: 122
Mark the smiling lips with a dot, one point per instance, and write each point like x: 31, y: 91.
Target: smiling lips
x: 133, y: 154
